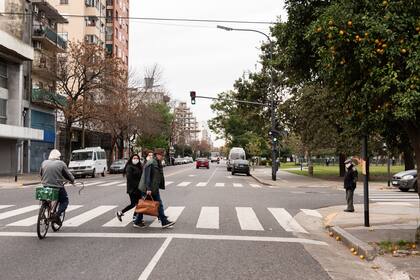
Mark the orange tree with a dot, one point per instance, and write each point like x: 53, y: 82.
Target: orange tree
x: 368, y: 53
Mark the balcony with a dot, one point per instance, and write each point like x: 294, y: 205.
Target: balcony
x: 49, y: 36
x: 45, y: 97
x: 43, y: 65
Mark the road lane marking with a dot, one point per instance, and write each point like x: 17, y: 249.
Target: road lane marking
x: 183, y: 184
x: 209, y: 218
x: 220, y: 185
x: 168, y: 183
x: 122, y: 184
x: 191, y: 175
x: 173, y: 214
x: 5, y: 206
x: 126, y: 219
x: 94, y: 183
x: 287, y: 222
x: 311, y: 212
x: 110, y: 183
x: 33, y: 220
x: 167, y: 235
x: 19, y: 211
x: 248, y: 219
x: 201, y: 184
x: 149, y: 268
x: 237, y: 185
x: 214, y: 172
x: 255, y: 186
x: 87, y: 216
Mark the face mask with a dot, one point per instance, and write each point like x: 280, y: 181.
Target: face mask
x: 348, y: 166
x: 135, y: 161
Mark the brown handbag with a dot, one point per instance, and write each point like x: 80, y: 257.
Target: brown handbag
x: 148, y: 206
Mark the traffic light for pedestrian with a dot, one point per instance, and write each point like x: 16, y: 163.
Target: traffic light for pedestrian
x: 192, y: 95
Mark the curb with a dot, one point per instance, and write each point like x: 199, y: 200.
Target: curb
x: 31, y: 183
x: 259, y: 180
x: 352, y: 242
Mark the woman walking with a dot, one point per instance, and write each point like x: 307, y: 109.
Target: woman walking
x: 133, y: 171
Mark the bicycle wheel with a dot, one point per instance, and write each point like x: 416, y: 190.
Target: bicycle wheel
x: 56, y: 226
x: 43, y: 223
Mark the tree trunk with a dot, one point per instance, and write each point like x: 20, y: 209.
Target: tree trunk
x: 341, y: 160
x: 413, y: 132
x: 408, y: 156
x: 120, y: 145
x: 67, y: 141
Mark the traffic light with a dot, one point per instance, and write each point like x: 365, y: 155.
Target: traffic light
x: 192, y: 95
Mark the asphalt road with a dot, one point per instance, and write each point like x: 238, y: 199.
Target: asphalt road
x: 227, y: 227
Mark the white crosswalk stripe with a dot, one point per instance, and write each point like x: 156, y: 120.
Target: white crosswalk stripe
x: 87, y: 216
x: 32, y: 220
x: 168, y: 183
x: 209, y: 218
x: 391, y: 196
x: 173, y: 214
x: 110, y: 183
x: 5, y: 206
x: 183, y: 184
x: 201, y: 184
x: 287, y: 222
x: 122, y: 184
x: 19, y: 211
x: 126, y: 219
x: 94, y: 183
x: 312, y: 213
x: 220, y: 185
x: 248, y: 219
x: 237, y: 185
x: 255, y: 186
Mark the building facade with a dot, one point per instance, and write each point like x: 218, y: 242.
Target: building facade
x: 117, y: 29
x: 186, y: 129
x: 47, y: 45
x: 16, y: 55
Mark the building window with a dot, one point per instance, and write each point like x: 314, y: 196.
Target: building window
x: 91, y: 39
x: 109, y: 2
x: 91, y: 21
x: 3, y: 74
x: 3, y: 111
x: 109, y: 15
x: 64, y: 2
x: 64, y: 35
x: 116, y: 33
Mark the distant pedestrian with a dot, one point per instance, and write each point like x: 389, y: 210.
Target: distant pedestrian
x: 133, y: 171
x: 150, y: 183
x: 350, y: 180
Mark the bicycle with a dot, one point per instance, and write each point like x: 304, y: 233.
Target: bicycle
x: 48, y: 197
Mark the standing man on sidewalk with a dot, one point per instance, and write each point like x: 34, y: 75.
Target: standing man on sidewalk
x: 350, y: 180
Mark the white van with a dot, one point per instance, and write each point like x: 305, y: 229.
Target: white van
x: 88, y: 161
x: 235, y: 153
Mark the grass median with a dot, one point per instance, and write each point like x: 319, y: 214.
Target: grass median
x: 377, y: 172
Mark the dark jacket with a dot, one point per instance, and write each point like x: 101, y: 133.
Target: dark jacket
x: 350, y: 179
x: 152, y: 179
x: 133, y: 174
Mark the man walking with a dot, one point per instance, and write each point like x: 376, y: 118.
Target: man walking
x: 350, y: 180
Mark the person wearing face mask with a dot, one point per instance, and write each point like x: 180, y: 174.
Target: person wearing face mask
x: 350, y: 180
x: 133, y: 171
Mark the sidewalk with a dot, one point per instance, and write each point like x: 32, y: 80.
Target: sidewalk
x: 388, y: 222
x: 22, y: 180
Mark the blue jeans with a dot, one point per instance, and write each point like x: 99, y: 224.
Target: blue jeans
x: 63, y: 201
x: 161, y: 217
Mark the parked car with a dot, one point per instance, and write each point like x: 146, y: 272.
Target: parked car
x: 117, y: 166
x: 240, y: 166
x: 202, y: 162
x: 405, y: 180
x: 189, y: 160
x: 178, y: 161
x: 235, y: 154
x: 88, y: 161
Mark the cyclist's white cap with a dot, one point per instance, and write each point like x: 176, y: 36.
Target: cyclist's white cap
x: 55, y: 154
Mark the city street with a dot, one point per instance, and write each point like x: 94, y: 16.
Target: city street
x: 227, y: 227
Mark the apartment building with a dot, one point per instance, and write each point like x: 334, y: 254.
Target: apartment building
x: 16, y: 54
x: 186, y: 128
x: 47, y: 45
x: 86, y: 20
x: 117, y: 29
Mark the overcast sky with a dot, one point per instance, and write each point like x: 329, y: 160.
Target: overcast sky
x: 198, y: 56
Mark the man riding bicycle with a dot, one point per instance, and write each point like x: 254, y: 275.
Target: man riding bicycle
x: 53, y: 173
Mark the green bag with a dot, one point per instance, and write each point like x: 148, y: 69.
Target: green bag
x: 46, y: 193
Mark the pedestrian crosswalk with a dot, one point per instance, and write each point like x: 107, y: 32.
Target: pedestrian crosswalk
x: 182, y: 184
x: 209, y: 217
x: 391, y: 197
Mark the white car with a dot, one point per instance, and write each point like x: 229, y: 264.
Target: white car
x: 88, y: 161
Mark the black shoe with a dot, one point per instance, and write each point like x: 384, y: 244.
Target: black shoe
x: 167, y: 223
x: 139, y: 225
x: 56, y: 219
x: 119, y: 215
x: 347, y: 210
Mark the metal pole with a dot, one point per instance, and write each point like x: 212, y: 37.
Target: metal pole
x: 366, y: 179
x: 389, y: 170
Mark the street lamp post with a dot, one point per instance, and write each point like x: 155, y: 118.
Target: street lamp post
x: 272, y: 102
